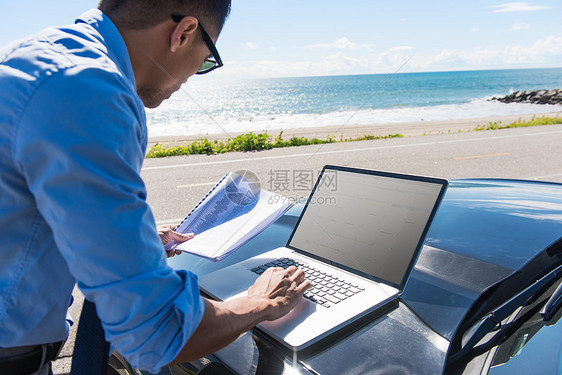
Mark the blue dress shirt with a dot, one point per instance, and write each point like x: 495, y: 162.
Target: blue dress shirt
x: 72, y: 203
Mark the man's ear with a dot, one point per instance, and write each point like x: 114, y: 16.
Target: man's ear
x: 183, y: 33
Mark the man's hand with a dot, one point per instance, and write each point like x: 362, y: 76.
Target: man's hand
x: 167, y: 234
x: 273, y: 295
x: 281, y: 288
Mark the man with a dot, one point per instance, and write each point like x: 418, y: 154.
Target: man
x: 73, y: 206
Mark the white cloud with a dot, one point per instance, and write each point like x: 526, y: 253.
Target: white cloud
x: 546, y: 52
x: 475, y: 29
x: 341, y: 43
x: 447, y: 57
x: 519, y: 26
x: 251, y: 45
x: 401, y: 48
x: 517, y: 7
x: 343, y: 63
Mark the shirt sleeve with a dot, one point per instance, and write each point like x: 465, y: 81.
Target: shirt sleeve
x: 80, y: 145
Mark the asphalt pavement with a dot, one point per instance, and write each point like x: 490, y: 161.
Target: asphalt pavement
x: 176, y: 184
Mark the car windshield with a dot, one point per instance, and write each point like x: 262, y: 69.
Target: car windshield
x: 536, y: 344
x: 503, y: 334
x: 536, y: 348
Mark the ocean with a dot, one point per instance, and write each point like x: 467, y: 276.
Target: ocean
x: 209, y: 106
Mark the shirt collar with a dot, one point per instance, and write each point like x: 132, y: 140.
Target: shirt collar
x: 111, y: 38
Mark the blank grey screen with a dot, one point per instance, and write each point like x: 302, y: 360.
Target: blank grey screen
x: 367, y: 222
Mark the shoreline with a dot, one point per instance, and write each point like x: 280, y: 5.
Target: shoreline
x: 406, y: 129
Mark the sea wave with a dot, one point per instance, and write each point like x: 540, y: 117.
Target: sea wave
x: 174, y: 123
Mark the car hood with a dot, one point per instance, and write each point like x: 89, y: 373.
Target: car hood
x: 484, y: 231
x: 503, y: 222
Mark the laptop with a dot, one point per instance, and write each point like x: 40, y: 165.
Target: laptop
x: 357, y: 239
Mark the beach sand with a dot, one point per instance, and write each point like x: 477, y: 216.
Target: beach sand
x: 355, y: 131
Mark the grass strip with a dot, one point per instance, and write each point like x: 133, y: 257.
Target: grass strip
x: 247, y: 142
x: 264, y: 141
x: 534, y: 121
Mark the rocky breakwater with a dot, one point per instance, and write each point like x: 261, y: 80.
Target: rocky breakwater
x: 533, y: 96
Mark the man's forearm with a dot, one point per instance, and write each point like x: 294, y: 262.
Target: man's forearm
x: 273, y: 295
x: 222, y: 323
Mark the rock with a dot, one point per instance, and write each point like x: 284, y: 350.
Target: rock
x: 553, y: 96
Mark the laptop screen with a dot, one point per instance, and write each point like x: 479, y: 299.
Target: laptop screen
x: 368, y: 221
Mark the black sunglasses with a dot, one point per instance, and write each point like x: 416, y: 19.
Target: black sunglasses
x: 212, y: 62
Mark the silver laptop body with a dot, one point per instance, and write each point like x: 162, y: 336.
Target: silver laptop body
x: 362, y: 228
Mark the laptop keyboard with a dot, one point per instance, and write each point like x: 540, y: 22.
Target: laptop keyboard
x: 326, y: 290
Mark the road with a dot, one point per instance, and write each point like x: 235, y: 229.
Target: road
x: 176, y: 184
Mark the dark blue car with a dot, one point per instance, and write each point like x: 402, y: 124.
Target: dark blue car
x: 484, y: 296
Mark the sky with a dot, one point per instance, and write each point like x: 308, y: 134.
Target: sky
x: 287, y: 38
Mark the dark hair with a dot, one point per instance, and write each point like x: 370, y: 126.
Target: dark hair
x: 142, y: 14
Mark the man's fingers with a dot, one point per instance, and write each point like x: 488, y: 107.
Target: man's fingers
x: 291, y: 269
x: 298, y: 276
x: 294, y: 274
x: 180, y: 237
x: 303, y: 287
x: 167, y: 234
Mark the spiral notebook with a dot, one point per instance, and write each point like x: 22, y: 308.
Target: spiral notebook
x: 233, y: 212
